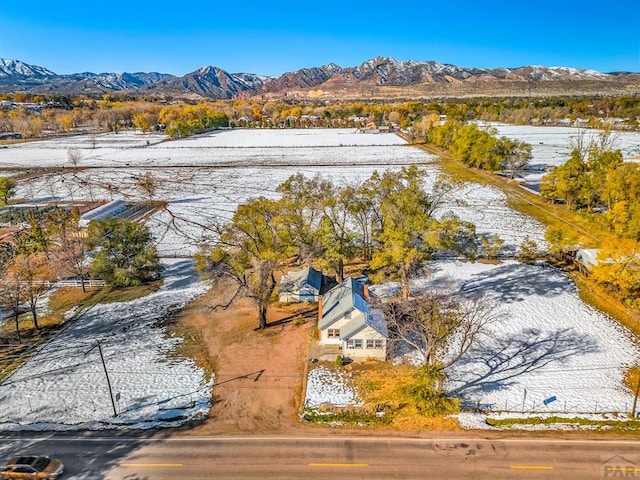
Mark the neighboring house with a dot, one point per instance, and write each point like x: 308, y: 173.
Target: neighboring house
x: 300, y: 286
x: 345, y: 319
x: 586, y: 259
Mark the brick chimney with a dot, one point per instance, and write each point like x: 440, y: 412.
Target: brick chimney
x: 319, y: 307
x: 366, y: 290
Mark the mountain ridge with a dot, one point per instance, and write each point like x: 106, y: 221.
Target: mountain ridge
x: 376, y: 77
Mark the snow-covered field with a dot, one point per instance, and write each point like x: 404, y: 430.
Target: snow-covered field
x: 225, y: 173
x: 551, y: 345
x: 328, y: 386
x: 221, y: 148
x: 64, y: 386
x: 551, y: 146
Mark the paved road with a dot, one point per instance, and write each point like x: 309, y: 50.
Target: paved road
x: 154, y: 456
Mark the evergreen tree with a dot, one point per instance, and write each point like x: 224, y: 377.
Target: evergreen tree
x: 124, y: 254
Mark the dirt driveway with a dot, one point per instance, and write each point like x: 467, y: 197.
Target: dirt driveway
x: 259, y: 374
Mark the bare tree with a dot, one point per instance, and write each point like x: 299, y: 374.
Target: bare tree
x: 441, y: 327
x: 74, y: 156
x: 148, y: 183
x: 12, y: 297
x: 593, y: 144
x: 50, y: 181
x: 29, y: 274
x: 71, y: 245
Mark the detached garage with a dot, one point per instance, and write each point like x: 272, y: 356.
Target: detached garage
x: 300, y: 286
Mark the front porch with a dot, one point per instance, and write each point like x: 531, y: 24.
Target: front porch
x: 324, y: 352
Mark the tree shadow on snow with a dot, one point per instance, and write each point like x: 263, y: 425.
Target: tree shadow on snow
x: 488, y: 368
x: 515, y: 282
x: 179, y: 275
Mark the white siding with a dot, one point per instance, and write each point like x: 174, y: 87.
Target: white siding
x: 325, y: 340
x: 365, y: 334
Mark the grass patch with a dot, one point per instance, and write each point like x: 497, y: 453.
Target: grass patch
x: 66, y: 298
x: 388, y: 402
x: 631, y: 424
x: 596, y: 296
x: 632, y: 377
x: 125, y: 294
x: 461, y: 173
x: 192, y: 346
x: 346, y: 416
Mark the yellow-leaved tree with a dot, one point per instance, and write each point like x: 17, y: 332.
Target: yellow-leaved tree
x: 618, y: 270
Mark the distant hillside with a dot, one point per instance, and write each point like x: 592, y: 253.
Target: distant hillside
x: 378, y: 78
x: 19, y: 76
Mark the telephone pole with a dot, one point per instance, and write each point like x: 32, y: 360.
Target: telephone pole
x: 106, y: 373
x: 635, y: 398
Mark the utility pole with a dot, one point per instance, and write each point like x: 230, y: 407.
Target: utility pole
x: 635, y: 398
x: 106, y: 373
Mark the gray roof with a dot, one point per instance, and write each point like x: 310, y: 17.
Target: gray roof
x: 340, y: 300
x: 107, y: 210
x: 294, y: 281
x: 374, y: 318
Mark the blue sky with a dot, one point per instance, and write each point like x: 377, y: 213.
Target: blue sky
x: 272, y: 37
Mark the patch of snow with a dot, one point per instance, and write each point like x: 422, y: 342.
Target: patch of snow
x: 550, y: 345
x: 552, y: 145
x: 330, y: 386
x: 63, y: 386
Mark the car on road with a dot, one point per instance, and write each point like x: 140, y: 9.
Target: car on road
x: 31, y: 468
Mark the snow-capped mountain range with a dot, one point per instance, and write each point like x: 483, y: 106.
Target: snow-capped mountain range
x: 375, y: 74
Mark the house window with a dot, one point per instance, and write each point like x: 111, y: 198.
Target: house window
x: 356, y: 343
x: 374, y: 343
x: 333, y: 333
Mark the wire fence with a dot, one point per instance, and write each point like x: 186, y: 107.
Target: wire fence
x: 533, y: 403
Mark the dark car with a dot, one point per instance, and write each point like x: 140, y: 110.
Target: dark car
x: 32, y: 468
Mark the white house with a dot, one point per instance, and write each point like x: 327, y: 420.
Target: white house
x: 345, y: 319
x: 300, y: 286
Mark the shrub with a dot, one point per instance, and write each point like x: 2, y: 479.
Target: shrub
x: 528, y: 251
x: 428, y: 398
